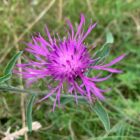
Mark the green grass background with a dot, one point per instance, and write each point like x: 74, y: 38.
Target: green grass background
x: 20, y: 19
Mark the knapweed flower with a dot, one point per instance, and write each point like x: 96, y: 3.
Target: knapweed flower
x: 66, y: 62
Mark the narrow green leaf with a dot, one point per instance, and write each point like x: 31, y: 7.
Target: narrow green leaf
x: 104, y: 51
x: 29, y: 112
x: 5, y: 77
x: 102, y: 114
x: 11, y: 63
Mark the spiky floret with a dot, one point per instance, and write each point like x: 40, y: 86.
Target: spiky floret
x: 65, y: 61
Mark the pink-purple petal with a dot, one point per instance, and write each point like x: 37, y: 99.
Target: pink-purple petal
x: 66, y: 60
x: 115, y: 61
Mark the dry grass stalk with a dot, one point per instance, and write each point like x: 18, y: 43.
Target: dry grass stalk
x: 21, y: 132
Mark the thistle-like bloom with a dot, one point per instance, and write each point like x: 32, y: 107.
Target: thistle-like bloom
x: 66, y: 62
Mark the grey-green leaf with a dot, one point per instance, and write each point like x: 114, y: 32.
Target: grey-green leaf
x: 29, y: 112
x: 109, y: 38
x: 12, y: 63
x: 5, y: 77
x: 102, y: 114
x: 104, y: 51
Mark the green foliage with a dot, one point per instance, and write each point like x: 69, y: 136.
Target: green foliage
x: 12, y: 63
x: 8, y: 70
x: 129, y: 79
x: 77, y: 122
x: 102, y: 53
x: 102, y: 114
x: 97, y: 108
x: 5, y: 77
x: 29, y: 112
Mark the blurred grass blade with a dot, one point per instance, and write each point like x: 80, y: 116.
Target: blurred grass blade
x: 102, y: 114
x: 29, y: 112
x: 5, y: 77
x: 12, y: 63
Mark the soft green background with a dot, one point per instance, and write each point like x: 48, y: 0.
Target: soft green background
x: 20, y: 19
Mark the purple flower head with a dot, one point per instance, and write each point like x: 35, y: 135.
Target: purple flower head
x: 66, y: 62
